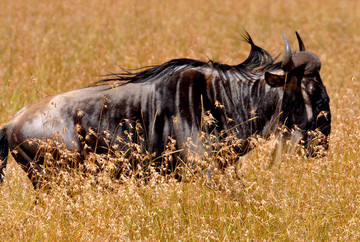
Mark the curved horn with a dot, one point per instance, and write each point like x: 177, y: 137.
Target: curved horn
x: 301, y: 43
x: 287, y: 63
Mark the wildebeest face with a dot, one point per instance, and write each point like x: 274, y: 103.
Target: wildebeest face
x: 319, y: 123
x: 305, y: 103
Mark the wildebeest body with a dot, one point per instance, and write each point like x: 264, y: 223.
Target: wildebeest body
x: 179, y: 116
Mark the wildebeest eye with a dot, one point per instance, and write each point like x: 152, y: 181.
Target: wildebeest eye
x: 309, y: 84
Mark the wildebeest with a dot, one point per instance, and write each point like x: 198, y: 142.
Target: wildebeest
x: 168, y: 100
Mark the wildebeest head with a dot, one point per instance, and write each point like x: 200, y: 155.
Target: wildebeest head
x: 305, y: 103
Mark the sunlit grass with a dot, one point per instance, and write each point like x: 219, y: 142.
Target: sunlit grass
x: 47, y: 48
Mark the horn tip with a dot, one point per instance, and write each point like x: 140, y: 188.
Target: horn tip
x: 301, y: 43
x: 287, y: 43
x: 284, y: 35
x: 287, y: 62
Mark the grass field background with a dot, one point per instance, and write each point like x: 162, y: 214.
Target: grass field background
x: 51, y: 47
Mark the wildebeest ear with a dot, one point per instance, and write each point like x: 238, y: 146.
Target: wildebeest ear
x: 274, y: 80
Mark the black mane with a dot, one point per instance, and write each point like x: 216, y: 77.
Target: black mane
x: 256, y: 64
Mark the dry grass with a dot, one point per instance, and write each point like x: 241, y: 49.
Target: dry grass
x: 46, y: 48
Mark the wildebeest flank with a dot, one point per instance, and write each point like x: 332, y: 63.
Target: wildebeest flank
x: 168, y: 100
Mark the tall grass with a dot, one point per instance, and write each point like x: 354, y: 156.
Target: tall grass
x: 47, y: 48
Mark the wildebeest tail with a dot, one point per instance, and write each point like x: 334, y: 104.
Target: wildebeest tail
x: 4, y: 150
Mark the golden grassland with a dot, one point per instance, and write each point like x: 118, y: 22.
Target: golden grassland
x: 51, y: 47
